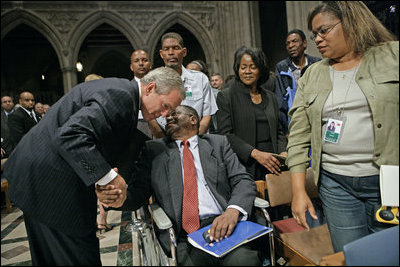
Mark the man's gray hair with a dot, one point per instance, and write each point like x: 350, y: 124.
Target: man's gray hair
x: 166, y: 80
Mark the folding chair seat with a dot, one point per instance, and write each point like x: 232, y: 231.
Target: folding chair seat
x: 293, y: 242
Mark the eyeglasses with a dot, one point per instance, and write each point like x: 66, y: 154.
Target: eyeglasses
x: 323, y: 32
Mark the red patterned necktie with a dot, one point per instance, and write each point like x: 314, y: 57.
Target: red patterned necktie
x: 190, y: 205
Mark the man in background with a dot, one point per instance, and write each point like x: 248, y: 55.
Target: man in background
x: 7, y: 107
x: 39, y: 109
x: 22, y: 120
x: 288, y: 72
x: 140, y: 66
x: 197, y: 86
x: 217, y: 83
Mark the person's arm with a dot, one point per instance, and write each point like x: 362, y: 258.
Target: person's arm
x: 81, y: 137
x: 301, y: 202
x: 226, y: 125
x: 243, y: 193
x: 298, y: 146
x: 267, y: 160
x: 209, y: 106
x: 205, y: 124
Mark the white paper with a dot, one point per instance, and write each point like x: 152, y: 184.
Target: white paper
x: 389, y: 183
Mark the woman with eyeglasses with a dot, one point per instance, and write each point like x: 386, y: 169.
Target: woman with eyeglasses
x: 355, y: 86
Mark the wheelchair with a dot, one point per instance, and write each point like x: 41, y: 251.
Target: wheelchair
x: 151, y: 252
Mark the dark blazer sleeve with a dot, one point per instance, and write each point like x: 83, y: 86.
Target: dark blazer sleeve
x: 281, y: 138
x: 82, y: 137
x: 138, y: 165
x: 6, y: 142
x: 226, y: 125
x: 243, y: 188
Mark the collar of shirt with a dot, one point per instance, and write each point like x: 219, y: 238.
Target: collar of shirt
x: 140, y: 94
x: 140, y: 115
x: 27, y: 111
x: 297, y: 67
x: 194, y: 142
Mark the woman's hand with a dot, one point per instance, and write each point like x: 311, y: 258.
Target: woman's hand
x: 301, y: 202
x: 267, y: 160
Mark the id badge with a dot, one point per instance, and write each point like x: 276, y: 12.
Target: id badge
x: 189, y: 92
x: 334, y: 130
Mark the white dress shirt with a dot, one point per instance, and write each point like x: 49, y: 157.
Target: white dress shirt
x: 208, y: 205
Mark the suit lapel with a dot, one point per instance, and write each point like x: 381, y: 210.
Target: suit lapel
x: 174, y: 175
x: 208, y: 163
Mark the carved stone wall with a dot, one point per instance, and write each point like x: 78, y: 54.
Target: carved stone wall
x: 220, y: 27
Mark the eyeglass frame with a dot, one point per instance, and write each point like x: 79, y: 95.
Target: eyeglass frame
x: 323, y: 32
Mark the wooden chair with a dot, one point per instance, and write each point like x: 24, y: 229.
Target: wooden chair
x: 293, y: 242
x: 4, y: 188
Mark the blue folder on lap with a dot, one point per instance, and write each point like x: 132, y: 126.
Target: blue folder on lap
x: 244, y: 232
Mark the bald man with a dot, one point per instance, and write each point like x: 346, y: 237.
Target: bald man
x: 23, y: 118
x: 140, y: 66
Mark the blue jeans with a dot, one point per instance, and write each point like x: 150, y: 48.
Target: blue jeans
x: 349, y: 204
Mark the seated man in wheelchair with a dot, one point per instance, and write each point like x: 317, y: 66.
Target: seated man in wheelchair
x: 222, y: 192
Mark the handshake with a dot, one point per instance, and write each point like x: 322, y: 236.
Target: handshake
x: 112, y: 194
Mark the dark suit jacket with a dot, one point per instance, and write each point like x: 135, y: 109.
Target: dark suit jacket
x: 53, y: 169
x: 19, y: 123
x: 6, y: 142
x: 226, y: 177
x: 236, y: 119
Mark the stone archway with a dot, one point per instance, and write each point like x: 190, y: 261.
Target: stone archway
x: 188, y: 22
x: 96, y: 19
x: 14, y: 18
x: 25, y: 38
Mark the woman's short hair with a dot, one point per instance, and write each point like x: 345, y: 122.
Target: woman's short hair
x: 259, y: 59
x: 202, y: 65
x: 361, y: 28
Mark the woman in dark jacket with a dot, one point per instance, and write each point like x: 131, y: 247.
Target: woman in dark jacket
x: 248, y: 115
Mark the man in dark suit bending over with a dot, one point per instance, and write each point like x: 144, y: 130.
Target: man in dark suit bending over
x: 222, y: 193
x: 54, y: 168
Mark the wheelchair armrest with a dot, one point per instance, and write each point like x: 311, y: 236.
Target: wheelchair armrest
x: 260, y: 203
x: 160, y: 218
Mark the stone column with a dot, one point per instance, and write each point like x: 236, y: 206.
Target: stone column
x: 69, y: 78
x: 297, y: 12
x: 236, y: 21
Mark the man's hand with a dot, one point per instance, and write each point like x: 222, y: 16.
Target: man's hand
x: 223, y: 225
x: 112, y: 194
